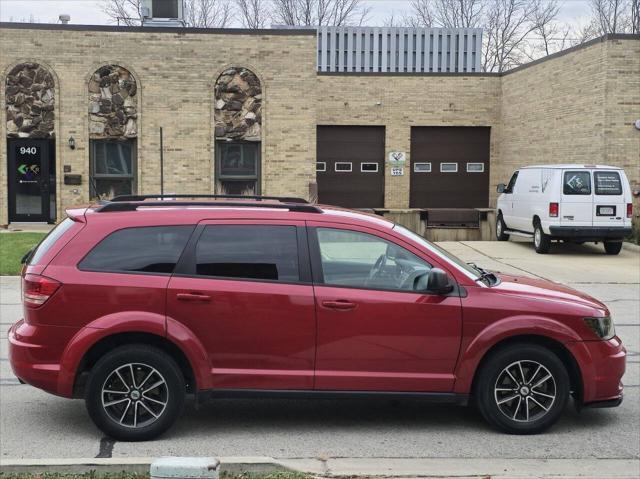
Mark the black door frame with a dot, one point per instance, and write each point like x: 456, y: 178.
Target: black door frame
x: 47, y: 179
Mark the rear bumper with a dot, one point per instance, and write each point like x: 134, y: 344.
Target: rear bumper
x: 35, y: 356
x: 588, y: 232
x: 602, y: 364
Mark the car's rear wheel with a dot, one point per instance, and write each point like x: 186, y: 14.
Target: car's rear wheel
x: 135, y: 393
x: 612, y: 247
x: 500, y: 229
x: 541, y: 240
x: 522, y: 389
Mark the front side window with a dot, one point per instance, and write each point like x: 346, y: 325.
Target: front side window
x: 512, y: 183
x: 607, y: 183
x: 577, y: 183
x: 154, y: 249
x: 249, y: 252
x: 238, y: 168
x: 361, y: 260
x: 113, y: 168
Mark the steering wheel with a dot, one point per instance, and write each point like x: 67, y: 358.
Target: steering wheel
x: 381, y: 262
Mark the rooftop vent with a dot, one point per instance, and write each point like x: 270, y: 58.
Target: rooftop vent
x: 162, y: 13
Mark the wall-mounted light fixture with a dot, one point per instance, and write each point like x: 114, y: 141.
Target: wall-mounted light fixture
x: 72, y: 143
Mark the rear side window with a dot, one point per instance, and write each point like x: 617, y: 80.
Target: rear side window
x: 154, y: 249
x: 607, y: 183
x: 49, y: 240
x: 577, y: 183
x: 249, y: 251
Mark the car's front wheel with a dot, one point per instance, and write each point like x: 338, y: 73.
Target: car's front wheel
x: 135, y: 393
x: 501, y: 227
x: 522, y: 389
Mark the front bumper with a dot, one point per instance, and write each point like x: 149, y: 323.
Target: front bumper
x: 35, y: 355
x: 602, y: 364
x: 590, y: 233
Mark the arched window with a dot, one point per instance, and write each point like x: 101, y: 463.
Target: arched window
x: 238, y: 131
x: 30, y: 114
x: 113, y: 130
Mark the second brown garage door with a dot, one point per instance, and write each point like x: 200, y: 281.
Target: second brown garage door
x: 450, y: 167
x: 350, y: 166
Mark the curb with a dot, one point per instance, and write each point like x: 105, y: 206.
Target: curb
x: 367, y: 467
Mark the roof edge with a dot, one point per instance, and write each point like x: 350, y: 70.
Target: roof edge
x: 175, y: 30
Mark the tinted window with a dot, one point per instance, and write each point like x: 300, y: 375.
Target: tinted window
x: 607, y: 183
x: 351, y: 258
x: 251, y: 252
x: 50, y: 240
x: 153, y: 249
x: 512, y: 183
x: 577, y: 183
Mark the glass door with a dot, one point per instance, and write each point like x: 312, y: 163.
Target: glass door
x: 31, y: 180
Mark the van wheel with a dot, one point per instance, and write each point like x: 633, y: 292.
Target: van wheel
x: 135, y: 393
x: 612, y: 247
x: 541, y: 240
x: 522, y: 389
x: 500, y: 229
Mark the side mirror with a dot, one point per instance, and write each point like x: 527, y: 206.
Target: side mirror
x: 26, y: 256
x: 435, y: 281
x: 502, y: 188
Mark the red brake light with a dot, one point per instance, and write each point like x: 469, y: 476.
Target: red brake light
x: 553, y: 210
x: 37, y: 289
x: 629, y: 210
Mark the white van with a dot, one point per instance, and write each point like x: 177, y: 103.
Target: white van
x: 577, y: 203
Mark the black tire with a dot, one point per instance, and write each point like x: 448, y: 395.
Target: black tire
x: 113, y: 372
x: 500, y: 229
x: 612, y: 247
x: 490, y: 388
x: 541, y: 240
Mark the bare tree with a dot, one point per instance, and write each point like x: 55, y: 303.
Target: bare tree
x: 610, y: 15
x: 319, y: 12
x: 635, y: 16
x: 551, y: 35
x: 207, y: 13
x: 449, y: 13
x: 253, y: 13
x: 127, y: 12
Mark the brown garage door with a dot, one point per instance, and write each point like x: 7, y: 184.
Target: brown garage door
x: 449, y: 167
x: 350, y: 168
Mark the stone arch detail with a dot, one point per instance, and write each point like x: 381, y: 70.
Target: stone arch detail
x: 113, y: 103
x: 30, y: 101
x: 238, y: 105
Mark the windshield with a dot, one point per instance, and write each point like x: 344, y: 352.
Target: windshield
x: 467, y: 268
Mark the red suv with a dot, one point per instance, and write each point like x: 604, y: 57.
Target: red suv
x: 134, y: 303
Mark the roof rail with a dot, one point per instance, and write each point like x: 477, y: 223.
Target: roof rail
x: 282, y: 199
x: 123, y: 205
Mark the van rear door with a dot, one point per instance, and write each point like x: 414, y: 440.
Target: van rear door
x: 609, y: 206
x: 576, y: 203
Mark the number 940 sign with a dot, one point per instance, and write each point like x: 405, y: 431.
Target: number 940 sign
x: 28, y: 150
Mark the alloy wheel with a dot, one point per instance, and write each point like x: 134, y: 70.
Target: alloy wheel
x: 525, y: 391
x: 135, y: 395
x: 537, y: 237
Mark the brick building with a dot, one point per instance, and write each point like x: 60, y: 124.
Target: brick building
x: 248, y: 111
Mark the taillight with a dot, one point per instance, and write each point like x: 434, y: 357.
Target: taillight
x: 37, y: 289
x: 553, y: 210
x: 629, y: 210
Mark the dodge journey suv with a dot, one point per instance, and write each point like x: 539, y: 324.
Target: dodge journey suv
x: 135, y: 303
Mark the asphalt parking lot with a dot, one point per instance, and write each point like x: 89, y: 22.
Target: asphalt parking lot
x: 35, y: 424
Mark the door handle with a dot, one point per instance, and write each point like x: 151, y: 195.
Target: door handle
x: 193, y: 297
x: 340, y: 305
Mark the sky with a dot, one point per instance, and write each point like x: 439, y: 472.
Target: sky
x: 88, y: 12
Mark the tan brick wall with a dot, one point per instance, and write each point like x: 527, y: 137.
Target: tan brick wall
x: 574, y: 108
x: 175, y: 74
x: 400, y: 102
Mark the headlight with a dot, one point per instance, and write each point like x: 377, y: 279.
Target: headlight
x: 603, y: 327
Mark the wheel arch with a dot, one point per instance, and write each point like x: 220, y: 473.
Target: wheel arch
x: 112, y: 341
x: 567, y: 358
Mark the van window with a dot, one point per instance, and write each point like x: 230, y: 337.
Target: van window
x: 607, y: 183
x: 49, y: 240
x: 248, y: 251
x: 577, y: 183
x: 512, y: 183
x: 154, y: 249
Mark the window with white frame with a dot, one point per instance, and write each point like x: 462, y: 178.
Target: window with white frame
x: 448, y: 167
x: 343, y: 166
x: 369, y: 167
x: 475, y: 167
x: 422, y: 167
x: 321, y: 166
